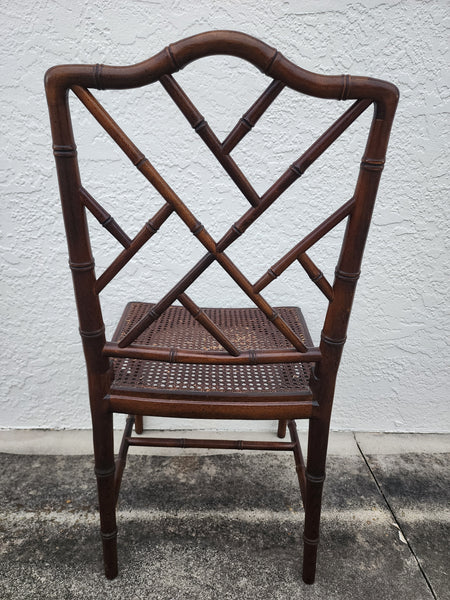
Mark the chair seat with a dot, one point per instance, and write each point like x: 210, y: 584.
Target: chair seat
x: 247, y: 328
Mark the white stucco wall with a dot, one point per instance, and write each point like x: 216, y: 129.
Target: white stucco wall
x: 395, y: 370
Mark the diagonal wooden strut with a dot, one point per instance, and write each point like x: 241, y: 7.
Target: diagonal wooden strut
x: 316, y: 276
x: 144, y: 166
x: 148, y: 231
x: 156, y: 311
x: 307, y: 158
x: 214, y: 251
x: 252, y: 116
x: 294, y: 172
x: 299, y: 249
x: 201, y: 127
x: 104, y: 218
x: 200, y: 316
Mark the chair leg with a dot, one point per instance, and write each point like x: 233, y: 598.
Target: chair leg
x: 315, y: 476
x: 139, y: 424
x: 104, y: 470
x: 281, y: 433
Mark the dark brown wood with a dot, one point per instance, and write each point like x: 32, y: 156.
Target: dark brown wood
x: 219, y: 409
x: 146, y: 233
x: 209, y: 443
x: 201, y: 127
x: 252, y: 116
x: 299, y: 249
x: 104, y: 218
x: 178, y: 355
x: 316, y: 275
x: 281, y: 431
x: 139, y: 424
x: 123, y: 451
x: 118, y: 370
x: 293, y: 173
x: 299, y: 461
x: 200, y: 316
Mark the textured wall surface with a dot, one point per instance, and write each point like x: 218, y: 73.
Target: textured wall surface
x: 395, y: 370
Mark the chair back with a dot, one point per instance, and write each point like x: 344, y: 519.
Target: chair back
x: 357, y: 211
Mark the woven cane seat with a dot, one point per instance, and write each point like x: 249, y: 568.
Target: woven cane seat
x: 247, y: 328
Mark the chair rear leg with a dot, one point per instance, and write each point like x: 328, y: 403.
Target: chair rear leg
x: 315, y: 477
x: 281, y: 433
x: 104, y: 470
x: 138, y: 424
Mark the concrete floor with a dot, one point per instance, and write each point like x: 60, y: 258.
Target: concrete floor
x: 206, y: 525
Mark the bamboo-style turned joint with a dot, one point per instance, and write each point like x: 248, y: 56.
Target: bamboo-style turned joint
x: 273, y: 316
x: 139, y: 162
x: 297, y: 169
x: 316, y: 276
x: 104, y: 472
x: 200, y: 125
x: 204, y: 320
x: 279, y: 267
x: 345, y: 87
x: 152, y: 228
x: 372, y: 164
x: 251, y: 117
x: 276, y: 356
x: 98, y: 76
x: 108, y: 536
x: 64, y: 151
x: 92, y: 334
x: 310, y: 541
x: 104, y: 218
x: 154, y: 314
x: 271, y: 62
x: 347, y: 276
x: 314, y: 478
x: 82, y: 266
x: 264, y: 281
x: 208, y: 443
x: 333, y: 341
x: 197, y: 229
x: 148, y: 230
x: 172, y: 58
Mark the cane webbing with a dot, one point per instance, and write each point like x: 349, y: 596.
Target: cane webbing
x: 247, y: 328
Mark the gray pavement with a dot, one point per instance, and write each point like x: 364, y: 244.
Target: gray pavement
x: 206, y: 525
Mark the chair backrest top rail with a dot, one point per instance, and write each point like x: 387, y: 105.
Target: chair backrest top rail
x: 266, y: 58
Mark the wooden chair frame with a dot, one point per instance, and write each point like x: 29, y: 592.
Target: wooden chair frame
x: 322, y: 362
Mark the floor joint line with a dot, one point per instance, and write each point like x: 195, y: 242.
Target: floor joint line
x: 398, y: 524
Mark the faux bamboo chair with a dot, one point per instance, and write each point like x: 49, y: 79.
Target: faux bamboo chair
x: 214, y: 370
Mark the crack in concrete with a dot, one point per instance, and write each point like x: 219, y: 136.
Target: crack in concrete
x: 396, y: 521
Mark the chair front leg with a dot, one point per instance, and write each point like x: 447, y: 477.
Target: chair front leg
x: 315, y: 477
x: 104, y: 471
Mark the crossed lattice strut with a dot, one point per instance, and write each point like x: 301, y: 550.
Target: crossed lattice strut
x: 216, y: 250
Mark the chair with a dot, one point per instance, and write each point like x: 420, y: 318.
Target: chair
x: 180, y: 360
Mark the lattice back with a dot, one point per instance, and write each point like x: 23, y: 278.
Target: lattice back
x: 357, y: 210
